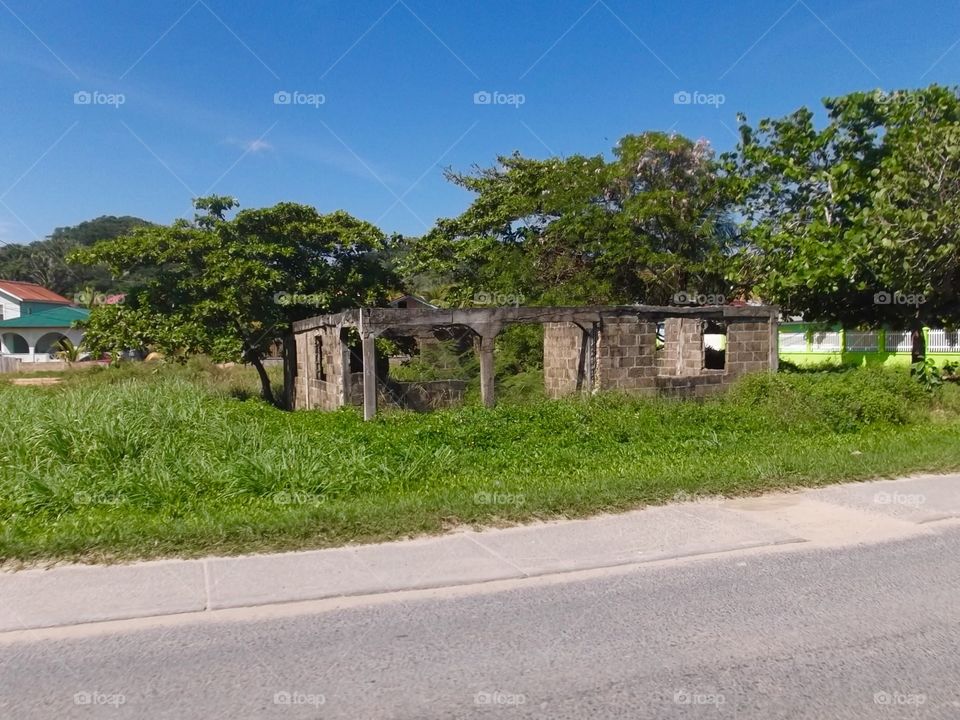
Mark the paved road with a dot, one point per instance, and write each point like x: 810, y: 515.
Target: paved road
x: 869, y: 631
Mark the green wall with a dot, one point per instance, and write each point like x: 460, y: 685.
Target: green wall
x: 853, y: 357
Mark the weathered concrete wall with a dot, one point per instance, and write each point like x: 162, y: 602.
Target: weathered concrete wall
x: 626, y: 354
x: 751, y: 347
x: 310, y: 390
x: 563, y: 359
x: 682, y: 352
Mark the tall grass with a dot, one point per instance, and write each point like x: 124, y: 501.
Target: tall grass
x: 174, y: 461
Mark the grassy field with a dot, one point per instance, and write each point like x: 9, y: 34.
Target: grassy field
x: 139, y: 462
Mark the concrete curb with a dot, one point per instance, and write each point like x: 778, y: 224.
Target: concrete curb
x: 76, y: 594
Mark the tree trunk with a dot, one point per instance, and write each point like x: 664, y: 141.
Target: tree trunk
x: 918, y: 347
x: 266, y: 392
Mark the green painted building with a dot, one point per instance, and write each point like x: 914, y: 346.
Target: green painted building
x: 814, y: 344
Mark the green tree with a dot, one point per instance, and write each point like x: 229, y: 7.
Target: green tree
x: 642, y: 226
x: 853, y: 222
x: 229, y: 287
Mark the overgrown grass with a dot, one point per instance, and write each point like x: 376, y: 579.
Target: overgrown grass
x: 147, y: 462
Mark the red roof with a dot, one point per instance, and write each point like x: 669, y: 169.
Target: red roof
x: 32, y: 292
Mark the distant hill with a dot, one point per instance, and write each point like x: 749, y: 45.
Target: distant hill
x: 43, y: 261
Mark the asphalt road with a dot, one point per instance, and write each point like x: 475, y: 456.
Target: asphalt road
x: 858, y: 632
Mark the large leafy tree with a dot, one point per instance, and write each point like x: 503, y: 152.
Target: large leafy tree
x: 640, y: 227
x: 230, y: 286
x: 855, y: 221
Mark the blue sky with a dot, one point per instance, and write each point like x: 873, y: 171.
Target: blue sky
x: 385, y: 92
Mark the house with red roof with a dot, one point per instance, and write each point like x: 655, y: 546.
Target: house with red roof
x: 34, y: 319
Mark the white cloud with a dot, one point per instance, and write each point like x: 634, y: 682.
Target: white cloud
x: 255, y: 146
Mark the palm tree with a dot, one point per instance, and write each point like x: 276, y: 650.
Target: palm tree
x: 69, y: 352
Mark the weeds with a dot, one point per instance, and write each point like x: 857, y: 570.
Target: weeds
x: 143, y: 462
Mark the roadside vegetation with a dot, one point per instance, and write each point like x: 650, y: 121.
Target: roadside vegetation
x: 137, y: 462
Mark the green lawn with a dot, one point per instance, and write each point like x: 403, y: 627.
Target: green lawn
x: 140, y: 463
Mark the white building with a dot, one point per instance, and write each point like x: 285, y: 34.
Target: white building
x: 33, y: 320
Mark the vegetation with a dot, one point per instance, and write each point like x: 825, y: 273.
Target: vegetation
x: 144, y: 462
x: 230, y: 287
x: 858, y: 221
x: 648, y: 223
x: 45, y: 261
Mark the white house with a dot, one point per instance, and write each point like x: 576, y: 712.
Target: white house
x: 33, y: 320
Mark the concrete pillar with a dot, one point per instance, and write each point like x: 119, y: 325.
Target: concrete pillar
x: 486, y: 370
x: 369, y: 376
x: 588, y: 355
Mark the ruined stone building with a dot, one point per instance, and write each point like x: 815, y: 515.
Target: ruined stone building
x: 585, y: 350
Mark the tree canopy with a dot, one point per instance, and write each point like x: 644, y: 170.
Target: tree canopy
x: 855, y: 222
x: 640, y: 227
x: 229, y: 287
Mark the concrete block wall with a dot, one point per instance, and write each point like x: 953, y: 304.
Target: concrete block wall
x: 682, y: 352
x: 750, y: 347
x: 626, y: 354
x: 309, y: 391
x: 562, y: 348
